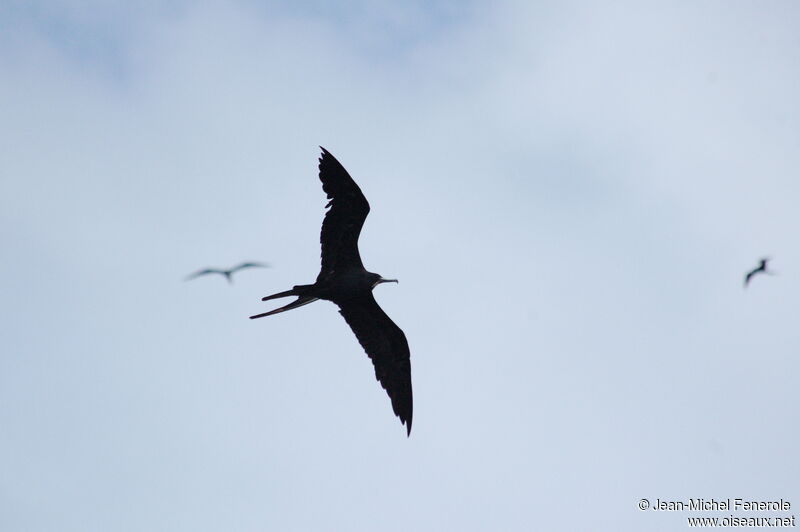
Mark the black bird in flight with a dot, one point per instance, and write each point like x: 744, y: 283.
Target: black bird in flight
x: 227, y: 273
x: 343, y: 280
x: 762, y: 268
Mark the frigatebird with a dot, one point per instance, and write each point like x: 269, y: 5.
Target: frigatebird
x: 762, y: 268
x: 344, y: 281
x: 226, y: 273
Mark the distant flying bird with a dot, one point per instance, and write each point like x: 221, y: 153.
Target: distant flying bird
x: 227, y: 273
x: 344, y: 281
x: 762, y: 268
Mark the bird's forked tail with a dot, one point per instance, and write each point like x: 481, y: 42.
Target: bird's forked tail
x: 299, y: 302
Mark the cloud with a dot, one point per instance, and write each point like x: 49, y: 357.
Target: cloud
x: 569, y: 195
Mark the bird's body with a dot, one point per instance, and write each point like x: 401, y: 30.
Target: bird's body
x: 343, y: 280
x: 761, y: 268
x: 227, y: 273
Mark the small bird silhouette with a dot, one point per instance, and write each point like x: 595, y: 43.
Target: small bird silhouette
x: 227, y: 273
x: 762, y: 268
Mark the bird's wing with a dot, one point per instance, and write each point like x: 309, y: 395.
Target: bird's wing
x: 203, y: 272
x: 343, y: 221
x: 387, y: 346
x: 244, y: 265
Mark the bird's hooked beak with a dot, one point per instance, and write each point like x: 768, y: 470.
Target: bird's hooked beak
x: 382, y: 280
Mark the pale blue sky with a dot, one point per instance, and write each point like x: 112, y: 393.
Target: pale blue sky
x: 570, y: 195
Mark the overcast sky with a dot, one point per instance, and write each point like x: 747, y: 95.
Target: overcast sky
x: 569, y: 193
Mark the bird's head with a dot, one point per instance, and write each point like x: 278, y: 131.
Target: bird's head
x: 378, y: 280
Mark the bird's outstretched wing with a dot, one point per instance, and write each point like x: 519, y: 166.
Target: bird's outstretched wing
x: 387, y: 346
x: 244, y: 265
x: 761, y: 268
x: 344, y: 220
x: 207, y: 271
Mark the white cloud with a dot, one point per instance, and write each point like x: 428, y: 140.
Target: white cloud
x: 569, y: 195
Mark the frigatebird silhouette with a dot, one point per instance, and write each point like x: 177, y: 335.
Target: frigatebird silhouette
x: 761, y: 268
x: 344, y: 281
x: 227, y: 273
